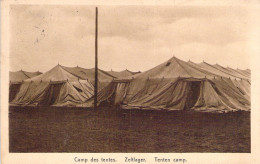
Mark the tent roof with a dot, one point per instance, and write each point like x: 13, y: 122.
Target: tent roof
x: 62, y: 73
x: 22, y: 75
x: 174, y: 68
x: 237, y: 72
x: 89, y: 74
x: 215, y: 70
x: 55, y: 74
x: 122, y: 74
x: 229, y: 71
x: 244, y: 72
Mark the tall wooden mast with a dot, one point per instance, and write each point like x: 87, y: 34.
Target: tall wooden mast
x: 96, y: 62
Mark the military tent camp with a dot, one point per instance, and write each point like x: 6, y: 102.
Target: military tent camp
x: 60, y: 86
x: 179, y: 85
x: 16, y: 78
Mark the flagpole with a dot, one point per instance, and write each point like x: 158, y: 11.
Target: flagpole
x: 96, y: 62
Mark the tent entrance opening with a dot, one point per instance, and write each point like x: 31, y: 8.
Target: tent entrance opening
x: 192, y: 94
x: 52, y: 94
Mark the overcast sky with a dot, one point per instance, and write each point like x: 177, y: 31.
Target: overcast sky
x: 136, y: 38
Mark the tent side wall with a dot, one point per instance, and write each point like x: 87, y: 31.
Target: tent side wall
x: 30, y: 93
x: 211, y: 95
x: 64, y: 93
x: 172, y: 95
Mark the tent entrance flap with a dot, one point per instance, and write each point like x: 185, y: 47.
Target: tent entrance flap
x: 193, y: 93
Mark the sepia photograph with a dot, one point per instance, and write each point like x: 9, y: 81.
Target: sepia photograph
x: 132, y: 79
x: 129, y: 79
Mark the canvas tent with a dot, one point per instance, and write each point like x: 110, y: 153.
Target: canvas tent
x: 179, y: 85
x: 16, y: 78
x: 60, y: 86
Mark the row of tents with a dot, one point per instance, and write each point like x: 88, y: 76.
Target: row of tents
x: 172, y: 85
x: 60, y: 86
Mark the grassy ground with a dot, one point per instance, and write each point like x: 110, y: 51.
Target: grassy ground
x: 50, y: 129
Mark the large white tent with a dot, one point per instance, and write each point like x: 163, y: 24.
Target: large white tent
x: 179, y: 85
